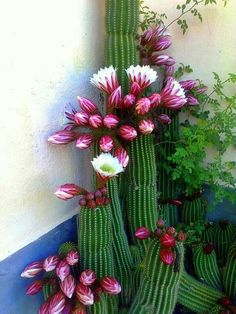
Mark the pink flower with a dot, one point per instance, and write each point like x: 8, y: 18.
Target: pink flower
x: 114, y: 99
x: 162, y: 43
x: 68, y: 191
x: 188, y: 84
x: 62, y: 270
x: 32, y: 269
x: 87, y: 105
x: 127, y: 132
x: 106, y: 143
x: 34, y: 288
x: 110, y: 285
x: 84, y: 141
x: 95, y: 121
x: 192, y: 101
x: 164, y: 119
x: 57, y: 303
x: 84, y: 294
x: 87, y: 277
x: 142, y: 233
x: 62, y: 137
x: 111, y: 121
x: 81, y: 118
x: 44, y: 308
x: 172, y: 95
x: 128, y: 101
x: 105, y: 80
x: 142, y: 75
x: 142, y: 106
x: 146, y: 126
x: 122, y: 156
x: 68, y: 286
x: 167, y: 256
x: 72, y: 258
x: 50, y: 263
x: 167, y: 240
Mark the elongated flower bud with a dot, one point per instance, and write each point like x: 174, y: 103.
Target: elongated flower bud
x: 72, y: 257
x: 127, y: 132
x: 146, y: 127
x: 135, y: 89
x: 106, y: 143
x: 111, y: 121
x: 87, y: 105
x: 57, y: 303
x: 44, y: 308
x: 159, y: 60
x: 32, y: 269
x: 129, y: 101
x: 68, y: 191
x: 164, y: 119
x: 87, y: 277
x: 192, y: 101
x: 172, y: 95
x: 62, y: 270
x: 122, y: 156
x: 188, y: 84
x: 167, y: 240
x: 34, y: 288
x: 81, y: 118
x: 84, y: 141
x: 169, y: 70
x: 50, y: 263
x: 146, y: 36
x: 161, y: 43
x: 142, y: 233
x: 110, y: 285
x: 154, y: 100
x: 167, y: 256
x: 201, y: 89
x: 68, y: 286
x: 114, y: 99
x: 142, y: 106
x: 95, y: 121
x: 62, y: 137
x: 84, y: 294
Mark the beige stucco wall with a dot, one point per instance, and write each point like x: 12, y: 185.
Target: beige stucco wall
x: 49, y: 49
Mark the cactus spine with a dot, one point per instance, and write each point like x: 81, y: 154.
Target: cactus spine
x: 193, y: 210
x: 197, y: 296
x: 159, y: 285
x: 206, y: 268
x: 229, y: 277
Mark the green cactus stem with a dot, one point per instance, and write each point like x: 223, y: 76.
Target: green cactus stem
x: 205, y: 265
x: 197, y: 296
x: 141, y: 189
x: 169, y: 213
x: 229, y: 276
x: 193, y: 210
x: 159, y: 285
x: 208, y: 234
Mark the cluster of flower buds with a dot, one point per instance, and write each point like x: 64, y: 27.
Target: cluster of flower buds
x: 98, y: 198
x: 167, y: 237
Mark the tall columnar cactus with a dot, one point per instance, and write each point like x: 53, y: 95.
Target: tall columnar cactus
x: 193, y: 210
x: 197, y: 296
x: 160, y: 282
x: 205, y: 265
x: 229, y: 277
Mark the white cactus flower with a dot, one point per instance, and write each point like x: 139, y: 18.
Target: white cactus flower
x: 143, y: 75
x: 106, y: 165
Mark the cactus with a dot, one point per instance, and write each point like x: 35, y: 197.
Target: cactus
x: 197, y: 296
x: 160, y: 282
x: 229, y: 276
x: 169, y: 213
x: 208, y: 234
x: 141, y: 190
x: 205, y: 265
x: 193, y: 210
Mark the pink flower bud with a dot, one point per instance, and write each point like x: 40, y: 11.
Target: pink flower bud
x: 62, y: 137
x: 142, y: 233
x: 87, y: 105
x: 201, y: 89
x: 68, y: 286
x: 167, y: 240
x: 87, y: 277
x: 181, y: 236
x: 32, y: 269
x: 142, y: 106
x: 50, y: 263
x: 208, y: 248
x: 146, y: 126
x: 175, y: 202
x: 164, y: 119
x: 106, y: 143
x: 159, y: 60
x: 170, y: 62
x: 122, y: 156
x: 34, y: 288
x: 114, y: 99
x: 154, y: 100
x: 169, y: 70
x: 84, y: 294
x: 170, y: 230
x: 128, y: 101
x: 110, y: 285
x: 57, y: 303
x: 127, y: 132
x: 95, y: 121
x: 84, y: 141
x: 167, y: 256
x: 158, y: 232
x: 62, y: 270
x: 72, y: 257
x: 192, y: 101
x: 146, y: 36
x: 68, y: 191
x: 160, y: 223
x: 135, y: 89
x: 188, y: 84
x: 81, y: 118
x: 44, y: 308
x: 111, y: 121
x: 162, y: 43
